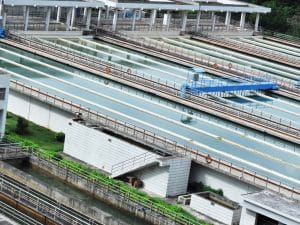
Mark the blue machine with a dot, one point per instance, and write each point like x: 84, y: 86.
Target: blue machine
x: 2, y: 30
x: 201, y: 84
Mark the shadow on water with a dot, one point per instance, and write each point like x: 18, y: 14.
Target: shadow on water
x: 47, y: 179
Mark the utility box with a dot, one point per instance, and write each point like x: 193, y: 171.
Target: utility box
x: 216, y: 207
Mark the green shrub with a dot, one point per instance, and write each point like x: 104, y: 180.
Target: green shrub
x: 60, y: 136
x: 22, y: 126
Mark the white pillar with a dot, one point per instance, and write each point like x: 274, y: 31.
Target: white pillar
x: 88, y: 18
x: 68, y: 19
x: 99, y: 17
x: 73, y: 16
x: 133, y: 20
x: 124, y: 13
x: 227, y: 21
x: 4, y: 18
x: 184, y: 20
x: 48, y: 17
x: 26, y: 18
x: 213, y: 21
x: 107, y: 13
x: 140, y: 14
x: 153, y: 18
x: 257, y: 22
x: 169, y: 20
x: 115, y: 20
x: 198, y: 20
x: 84, y: 15
x: 242, y: 21
x: 1, y: 7
x: 58, y: 14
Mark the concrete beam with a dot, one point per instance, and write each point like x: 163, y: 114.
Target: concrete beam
x: 58, y: 13
x: 26, y: 18
x: 48, y: 17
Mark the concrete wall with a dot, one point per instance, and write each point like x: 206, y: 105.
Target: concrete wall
x: 179, y: 172
x: 248, y: 217
x: 213, y: 210
x: 38, y: 112
x: 155, y: 179
x: 97, y: 148
x: 170, y: 179
x: 232, y: 188
x: 4, y: 83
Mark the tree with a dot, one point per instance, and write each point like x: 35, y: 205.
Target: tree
x: 22, y: 126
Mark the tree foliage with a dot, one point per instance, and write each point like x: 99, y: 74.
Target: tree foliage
x: 284, y: 18
x: 22, y: 125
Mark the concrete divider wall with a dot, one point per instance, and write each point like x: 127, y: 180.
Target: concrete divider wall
x: 63, y: 198
x: 103, y: 193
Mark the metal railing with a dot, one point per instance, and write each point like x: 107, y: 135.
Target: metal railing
x: 160, y: 142
x: 241, y: 112
x: 41, y: 204
x: 16, y: 215
x: 8, y: 151
x: 129, y: 164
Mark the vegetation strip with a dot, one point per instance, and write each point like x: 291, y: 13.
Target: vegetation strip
x: 47, y: 144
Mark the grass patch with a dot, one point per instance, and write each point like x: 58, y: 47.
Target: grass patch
x: 38, y: 136
x: 44, y: 142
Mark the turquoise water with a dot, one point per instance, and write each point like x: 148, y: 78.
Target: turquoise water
x: 156, y: 117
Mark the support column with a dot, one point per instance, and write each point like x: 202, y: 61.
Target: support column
x: 227, y: 20
x: 115, y: 20
x: 152, y: 18
x: 198, y: 20
x: 26, y: 18
x: 58, y: 14
x: 48, y: 17
x: 4, y: 13
x: 184, y: 20
x: 133, y: 20
x: 107, y: 13
x: 169, y: 17
x: 99, y: 17
x: 242, y: 21
x: 68, y: 19
x: 73, y: 16
x: 84, y: 15
x: 140, y: 14
x: 214, y: 17
x: 257, y: 22
x: 88, y: 18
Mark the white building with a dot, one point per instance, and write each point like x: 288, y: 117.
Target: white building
x: 4, y: 88
x: 269, y: 208
x: 118, y: 156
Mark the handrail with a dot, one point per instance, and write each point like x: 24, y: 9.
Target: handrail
x: 151, y: 139
x: 132, y: 162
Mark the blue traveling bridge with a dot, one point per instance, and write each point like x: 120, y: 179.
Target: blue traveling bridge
x: 201, y: 84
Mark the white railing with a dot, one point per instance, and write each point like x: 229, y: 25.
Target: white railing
x: 133, y: 163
